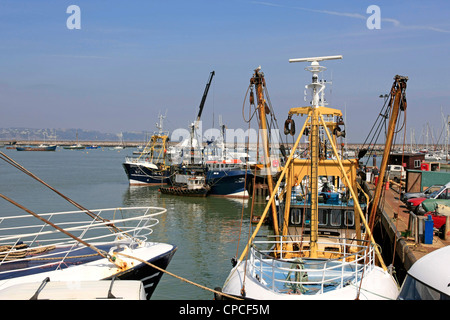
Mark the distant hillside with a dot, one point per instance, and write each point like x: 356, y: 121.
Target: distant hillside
x: 9, y: 134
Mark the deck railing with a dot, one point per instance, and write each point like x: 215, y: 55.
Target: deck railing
x: 24, y: 236
x: 292, y: 271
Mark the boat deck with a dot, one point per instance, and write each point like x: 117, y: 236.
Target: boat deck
x: 285, y: 277
x: 395, y: 220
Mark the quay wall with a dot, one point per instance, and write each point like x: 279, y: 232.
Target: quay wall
x: 379, y: 149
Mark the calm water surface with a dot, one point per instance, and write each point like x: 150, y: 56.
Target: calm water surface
x: 205, y: 230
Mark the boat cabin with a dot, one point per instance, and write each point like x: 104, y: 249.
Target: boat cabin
x: 336, y: 215
x: 224, y: 165
x: 195, y: 182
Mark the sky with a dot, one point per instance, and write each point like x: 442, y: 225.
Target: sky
x: 132, y: 60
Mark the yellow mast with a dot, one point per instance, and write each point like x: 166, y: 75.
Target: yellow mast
x: 272, y: 197
x: 315, y: 117
x: 397, y: 96
x: 316, y: 88
x: 259, y: 82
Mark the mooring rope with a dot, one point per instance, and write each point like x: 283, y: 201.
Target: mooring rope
x: 178, y: 277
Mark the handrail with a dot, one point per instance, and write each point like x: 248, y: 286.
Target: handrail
x: 91, y: 224
x: 137, y: 225
x: 309, y: 276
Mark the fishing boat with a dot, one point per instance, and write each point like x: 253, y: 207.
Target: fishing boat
x: 79, y: 246
x: 41, y: 147
x: 75, y: 146
x: 187, y: 185
x: 67, y: 247
x: 151, y: 167
x: 318, y: 249
x: 228, y: 178
x: 225, y: 174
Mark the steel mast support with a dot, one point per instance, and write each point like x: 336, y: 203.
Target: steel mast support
x: 397, y: 102
x: 316, y: 87
x: 259, y: 82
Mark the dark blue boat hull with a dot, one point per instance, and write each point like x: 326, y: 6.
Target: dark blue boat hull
x: 145, y: 273
x: 36, y: 148
x: 228, y: 183
x: 141, y: 175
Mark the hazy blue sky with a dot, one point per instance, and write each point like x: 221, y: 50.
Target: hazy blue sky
x: 133, y: 59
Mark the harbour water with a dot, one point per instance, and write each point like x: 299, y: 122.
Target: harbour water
x: 205, y: 230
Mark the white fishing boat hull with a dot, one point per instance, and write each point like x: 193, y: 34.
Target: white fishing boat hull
x: 344, y: 269
x: 102, y: 269
x: 112, y: 244
x: 376, y: 285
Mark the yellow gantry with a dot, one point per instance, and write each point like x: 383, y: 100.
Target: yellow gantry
x: 297, y: 169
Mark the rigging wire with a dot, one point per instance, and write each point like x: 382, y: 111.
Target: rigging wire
x: 99, y: 251
x: 27, y: 172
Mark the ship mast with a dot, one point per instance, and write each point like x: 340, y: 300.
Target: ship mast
x: 316, y: 88
x: 259, y: 82
x: 317, y: 112
x: 397, y: 102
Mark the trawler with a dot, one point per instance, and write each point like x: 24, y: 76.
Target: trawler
x: 151, y: 166
x: 224, y: 176
x: 319, y: 248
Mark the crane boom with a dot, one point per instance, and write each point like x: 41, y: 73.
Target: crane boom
x: 205, y: 94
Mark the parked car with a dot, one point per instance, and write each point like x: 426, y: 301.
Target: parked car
x: 429, y: 205
x: 396, y: 172
x: 413, y: 203
x: 424, y: 194
x: 442, y: 193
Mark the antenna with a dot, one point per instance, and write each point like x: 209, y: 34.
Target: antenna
x: 312, y: 59
x: 159, y: 124
x: 316, y: 86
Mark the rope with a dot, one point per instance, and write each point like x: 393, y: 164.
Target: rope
x: 21, y: 254
x: 178, y: 277
x: 365, y: 290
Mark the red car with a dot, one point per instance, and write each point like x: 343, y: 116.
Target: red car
x: 443, y: 193
x: 414, y: 202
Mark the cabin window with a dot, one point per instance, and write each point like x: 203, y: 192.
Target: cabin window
x: 308, y: 216
x: 296, y: 216
x: 349, y: 218
x: 336, y: 218
x: 323, y: 217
